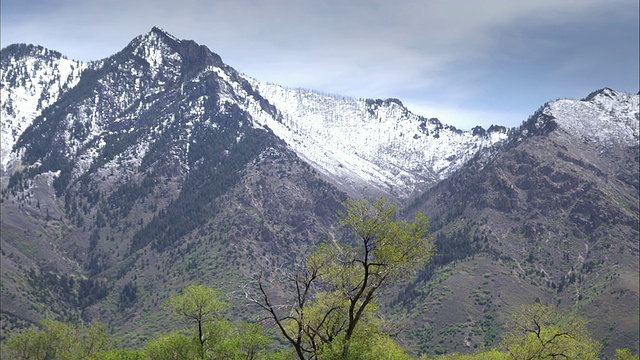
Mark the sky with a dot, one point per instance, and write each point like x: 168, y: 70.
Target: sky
x: 466, y: 62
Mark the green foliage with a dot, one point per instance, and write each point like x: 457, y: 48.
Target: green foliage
x: 387, y: 249
x: 57, y: 340
x: 173, y: 346
x: 220, y: 338
x: 226, y: 340
x: 625, y: 354
x: 216, y: 337
x: 251, y: 340
x: 492, y: 354
x: 119, y: 354
x: 223, y: 340
x: 363, y: 346
x: 335, y: 290
x: 536, y: 334
x: 198, y: 303
x: 282, y: 354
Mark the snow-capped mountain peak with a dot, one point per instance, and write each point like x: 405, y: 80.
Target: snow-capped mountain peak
x: 365, y: 146
x: 32, y: 78
x: 163, y: 89
x: 364, y: 143
x: 156, y: 49
x: 605, y: 117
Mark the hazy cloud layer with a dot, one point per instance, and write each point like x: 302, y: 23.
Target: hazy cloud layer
x: 467, y: 62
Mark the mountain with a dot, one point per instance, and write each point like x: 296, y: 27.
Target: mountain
x: 32, y: 79
x: 149, y: 164
x: 126, y: 178
x: 366, y: 145
x: 551, y: 217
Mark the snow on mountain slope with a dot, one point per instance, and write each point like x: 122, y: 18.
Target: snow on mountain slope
x: 605, y: 117
x: 151, y: 101
x: 32, y: 78
x: 362, y: 143
x: 364, y: 146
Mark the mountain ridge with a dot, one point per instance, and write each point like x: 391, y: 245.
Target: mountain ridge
x: 161, y: 165
x: 39, y: 88
x: 379, y: 141
x: 158, y: 47
x: 551, y: 214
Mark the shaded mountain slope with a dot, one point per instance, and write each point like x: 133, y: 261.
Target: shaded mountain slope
x: 552, y: 216
x: 145, y: 154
